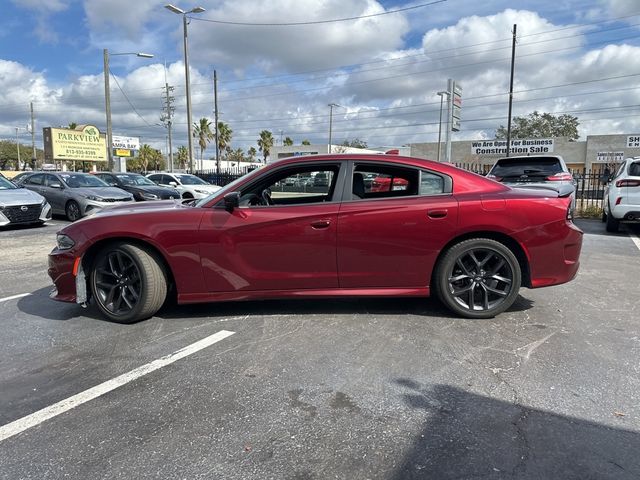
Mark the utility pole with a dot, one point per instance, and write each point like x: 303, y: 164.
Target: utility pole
x: 215, y: 118
x: 166, y: 117
x: 513, y: 62
x: 33, y: 140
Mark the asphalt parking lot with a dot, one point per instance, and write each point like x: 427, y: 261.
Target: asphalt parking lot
x: 348, y: 389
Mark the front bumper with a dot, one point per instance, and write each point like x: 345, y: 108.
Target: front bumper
x: 89, y: 207
x: 61, y: 264
x: 15, y: 215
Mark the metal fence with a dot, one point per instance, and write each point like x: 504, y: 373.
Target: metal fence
x: 590, y: 183
x: 224, y: 177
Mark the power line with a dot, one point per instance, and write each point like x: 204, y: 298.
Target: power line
x: 317, y: 22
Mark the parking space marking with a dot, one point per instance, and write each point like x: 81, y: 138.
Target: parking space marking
x: 13, y: 297
x: 36, y: 418
x: 635, y: 239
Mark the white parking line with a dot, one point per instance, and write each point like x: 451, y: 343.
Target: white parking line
x: 635, y: 239
x: 13, y: 297
x: 36, y: 418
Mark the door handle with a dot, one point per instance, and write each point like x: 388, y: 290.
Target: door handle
x: 320, y: 224
x: 437, y: 213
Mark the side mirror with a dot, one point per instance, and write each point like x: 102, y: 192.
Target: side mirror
x: 113, y: 184
x: 231, y: 201
x: 173, y: 184
x: 55, y: 185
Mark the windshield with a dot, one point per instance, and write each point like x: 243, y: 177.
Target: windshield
x: 186, y: 179
x: 516, y: 167
x: 6, y: 184
x: 229, y: 187
x: 134, y: 180
x: 82, y: 181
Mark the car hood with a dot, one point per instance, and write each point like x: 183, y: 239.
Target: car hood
x: 154, y: 189
x: 104, y: 192
x: 208, y: 188
x: 19, y: 196
x: 139, y: 207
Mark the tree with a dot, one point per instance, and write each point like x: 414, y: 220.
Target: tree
x: 265, y: 142
x: 306, y: 142
x: 287, y: 142
x: 236, y: 155
x: 545, y: 125
x: 182, y: 157
x: 252, y: 152
x: 146, y: 155
x: 202, y: 131
x: 73, y: 125
x: 224, y: 136
x: 355, y: 143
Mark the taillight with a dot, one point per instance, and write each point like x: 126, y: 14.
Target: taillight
x: 628, y: 183
x: 618, y: 200
x: 560, y: 177
x: 569, y: 213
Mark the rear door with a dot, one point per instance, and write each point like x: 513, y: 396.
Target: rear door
x: 391, y: 238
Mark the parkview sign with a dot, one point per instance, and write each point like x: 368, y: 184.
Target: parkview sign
x: 85, y: 143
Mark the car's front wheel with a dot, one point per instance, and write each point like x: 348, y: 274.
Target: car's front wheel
x: 73, y: 211
x: 128, y: 283
x: 478, y: 278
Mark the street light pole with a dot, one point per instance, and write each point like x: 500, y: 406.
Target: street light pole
x: 331, y: 105
x: 441, y: 95
x: 107, y: 99
x: 184, y: 14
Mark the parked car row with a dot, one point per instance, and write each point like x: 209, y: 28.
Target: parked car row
x: 76, y: 194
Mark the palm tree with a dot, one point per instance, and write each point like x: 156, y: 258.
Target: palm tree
x: 224, y: 139
x: 183, y: 157
x: 252, y: 152
x: 306, y: 142
x: 73, y: 125
x: 265, y: 142
x: 145, y: 155
x: 287, y: 142
x: 202, y: 131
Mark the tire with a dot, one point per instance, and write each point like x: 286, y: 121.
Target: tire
x: 604, y: 216
x: 128, y: 283
x: 613, y: 225
x: 478, y: 278
x: 72, y: 210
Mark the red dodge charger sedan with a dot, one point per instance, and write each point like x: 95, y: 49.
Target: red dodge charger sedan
x: 469, y: 240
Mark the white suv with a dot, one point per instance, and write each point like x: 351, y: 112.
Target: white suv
x: 188, y: 185
x: 622, y: 196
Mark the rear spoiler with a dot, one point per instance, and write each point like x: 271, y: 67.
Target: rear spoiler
x: 563, y: 190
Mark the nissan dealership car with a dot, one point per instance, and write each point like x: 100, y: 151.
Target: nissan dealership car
x: 19, y: 206
x: 622, y: 196
x: 468, y: 240
x: 188, y: 185
x: 75, y: 194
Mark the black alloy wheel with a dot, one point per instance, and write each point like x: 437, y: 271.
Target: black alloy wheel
x: 128, y: 283
x: 73, y: 211
x: 478, y: 278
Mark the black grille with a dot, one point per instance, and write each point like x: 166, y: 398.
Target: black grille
x: 22, y: 213
x: 115, y: 199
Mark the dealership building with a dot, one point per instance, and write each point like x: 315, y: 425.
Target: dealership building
x: 594, y: 152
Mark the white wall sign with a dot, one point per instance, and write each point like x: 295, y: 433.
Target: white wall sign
x: 609, y: 157
x: 128, y: 143
x: 633, y: 141
x: 523, y: 146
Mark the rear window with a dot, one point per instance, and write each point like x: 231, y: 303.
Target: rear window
x: 534, y: 166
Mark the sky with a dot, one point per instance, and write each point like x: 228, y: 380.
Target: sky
x: 280, y: 63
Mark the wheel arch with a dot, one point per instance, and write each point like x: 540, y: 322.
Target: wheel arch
x: 503, y: 238
x: 94, y: 249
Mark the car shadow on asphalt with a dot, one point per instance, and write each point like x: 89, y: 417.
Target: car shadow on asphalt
x: 592, y: 226
x: 40, y: 305
x: 473, y: 436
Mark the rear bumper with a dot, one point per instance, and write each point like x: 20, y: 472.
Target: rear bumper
x: 557, y: 261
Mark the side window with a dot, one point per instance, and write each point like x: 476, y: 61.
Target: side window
x: 37, y: 179
x: 634, y: 169
x: 431, y: 184
x: 108, y: 179
x: 293, y: 186
x: 50, y: 179
x: 383, y: 181
x: 166, y: 179
x: 156, y: 178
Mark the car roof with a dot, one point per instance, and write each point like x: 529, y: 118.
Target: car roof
x: 539, y: 155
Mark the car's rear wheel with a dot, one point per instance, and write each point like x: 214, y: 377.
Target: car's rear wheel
x: 128, y: 283
x: 478, y: 278
x: 72, y: 210
x: 613, y: 225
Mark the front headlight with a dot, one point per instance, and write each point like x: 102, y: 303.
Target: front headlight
x: 149, y: 196
x: 64, y: 242
x: 95, y: 198
x: 205, y: 192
